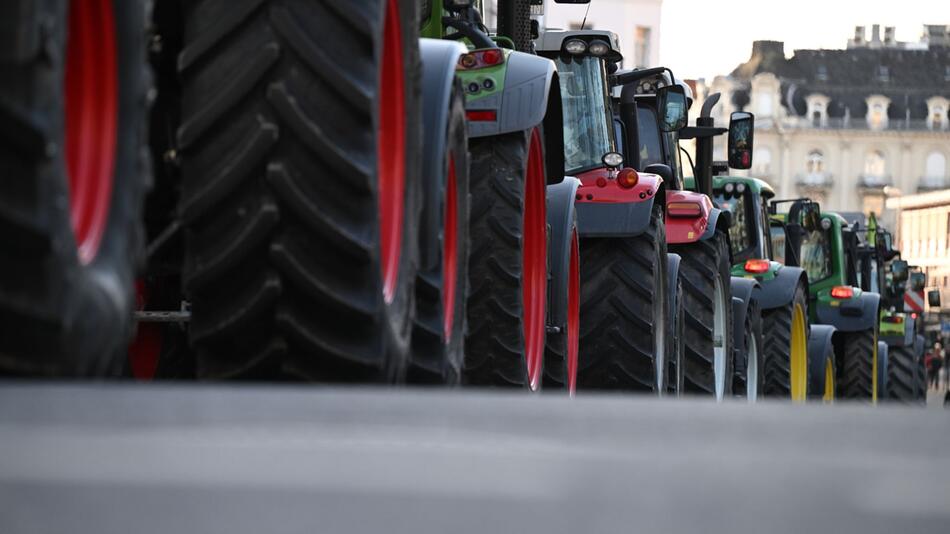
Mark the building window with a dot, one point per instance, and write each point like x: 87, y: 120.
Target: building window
x: 936, y: 170
x: 883, y: 73
x: 762, y: 161
x: 822, y: 74
x: 642, y: 46
x: 875, y: 164
x: 877, y: 111
x: 815, y: 164
x: 937, y: 113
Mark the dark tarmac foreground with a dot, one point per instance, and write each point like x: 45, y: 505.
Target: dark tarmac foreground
x: 120, y: 459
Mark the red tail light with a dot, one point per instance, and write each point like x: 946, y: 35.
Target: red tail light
x: 757, y: 266
x: 894, y: 319
x: 479, y: 59
x: 482, y: 115
x: 684, y: 209
x: 628, y: 178
x: 842, y: 292
x: 913, y: 316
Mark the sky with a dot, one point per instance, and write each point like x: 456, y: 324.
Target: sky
x: 734, y: 24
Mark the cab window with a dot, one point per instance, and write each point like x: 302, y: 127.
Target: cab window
x: 816, y: 254
x: 777, y: 234
x: 651, y: 150
x: 742, y: 232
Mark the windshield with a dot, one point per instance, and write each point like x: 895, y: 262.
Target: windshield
x: 587, y: 123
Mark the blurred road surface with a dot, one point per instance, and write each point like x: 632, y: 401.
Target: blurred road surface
x: 121, y: 459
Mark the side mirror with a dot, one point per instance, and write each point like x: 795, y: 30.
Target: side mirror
x: 899, y: 271
x: 918, y: 281
x: 671, y: 103
x: 741, y: 128
x: 811, y: 217
x: 933, y: 298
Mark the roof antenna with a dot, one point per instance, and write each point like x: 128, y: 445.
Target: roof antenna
x: 586, y: 12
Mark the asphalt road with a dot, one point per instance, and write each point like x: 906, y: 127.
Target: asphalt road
x: 109, y: 459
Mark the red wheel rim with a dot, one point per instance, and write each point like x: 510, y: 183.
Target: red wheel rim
x: 534, y: 261
x: 391, y: 150
x: 91, y: 117
x: 449, y: 254
x: 573, y: 313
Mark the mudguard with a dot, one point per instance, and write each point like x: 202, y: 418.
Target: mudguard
x: 907, y: 339
x: 820, y: 348
x: 439, y: 58
x: 856, y: 314
x: 780, y: 290
x: 716, y: 216
x: 560, y: 219
x: 882, y: 356
x: 523, y: 100
x: 611, y: 211
x: 743, y: 290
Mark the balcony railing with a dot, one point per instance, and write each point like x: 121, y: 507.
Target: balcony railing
x: 932, y: 183
x: 871, y: 181
x: 820, y: 180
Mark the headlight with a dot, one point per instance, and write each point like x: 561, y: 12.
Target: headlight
x: 729, y: 187
x: 826, y: 224
x: 575, y: 46
x: 613, y: 159
x: 599, y: 48
x: 740, y: 188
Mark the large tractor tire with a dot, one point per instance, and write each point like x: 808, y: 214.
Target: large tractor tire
x: 676, y: 326
x: 438, y: 339
x: 508, y: 262
x: 749, y: 377
x: 562, y: 346
x: 73, y: 103
x: 708, y: 305
x: 786, y: 348
x: 857, y: 354
x: 300, y: 154
x: 902, y: 374
x: 883, y: 384
x: 623, y: 338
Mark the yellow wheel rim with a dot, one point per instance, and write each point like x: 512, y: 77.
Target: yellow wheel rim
x: 829, y: 395
x: 798, y: 366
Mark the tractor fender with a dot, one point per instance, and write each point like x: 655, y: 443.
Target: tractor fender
x: 743, y: 290
x: 861, y: 313
x: 780, y: 290
x: 820, y: 348
x: 522, y: 102
x: 623, y: 219
x: 560, y: 199
x: 439, y: 58
x: 716, y: 220
x: 906, y: 340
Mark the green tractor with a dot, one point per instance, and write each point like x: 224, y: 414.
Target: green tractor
x: 827, y: 247
x: 758, y: 252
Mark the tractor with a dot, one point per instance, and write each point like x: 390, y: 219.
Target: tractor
x: 279, y: 190
x: 719, y: 311
x: 627, y: 326
x: 827, y: 247
x: 758, y: 252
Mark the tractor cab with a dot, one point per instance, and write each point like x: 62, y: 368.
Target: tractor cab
x: 584, y: 60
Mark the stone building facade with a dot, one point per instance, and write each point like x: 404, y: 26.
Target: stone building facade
x: 847, y: 127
